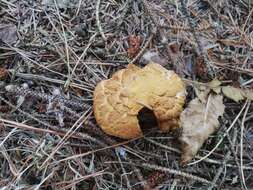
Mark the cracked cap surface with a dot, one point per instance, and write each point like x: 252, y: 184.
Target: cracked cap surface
x: 117, y: 101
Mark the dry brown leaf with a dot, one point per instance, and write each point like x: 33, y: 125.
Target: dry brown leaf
x: 217, y: 90
x: 232, y: 93
x: 8, y: 33
x: 3, y: 73
x: 202, y: 90
x: 201, y: 69
x: 153, y: 56
x: 198, y: 121
x: 248, y: 93
x: 134, y: 45
x: 214, y: 83
x: 237, y: 94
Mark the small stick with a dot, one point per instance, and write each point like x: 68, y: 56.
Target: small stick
x: 23, y: 126
x: 98, y: 21
x: 25, y: 92
x: 241, y: 143
x: 220, y: 170
x: 235, y: 157
x: 55, y: 128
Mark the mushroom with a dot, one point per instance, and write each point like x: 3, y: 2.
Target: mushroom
x: 118, y: 100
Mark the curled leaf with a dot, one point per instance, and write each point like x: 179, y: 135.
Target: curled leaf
x: 198, y: 121
x: 233, y: 93
x: 214, y: 83
x: 237, y: 94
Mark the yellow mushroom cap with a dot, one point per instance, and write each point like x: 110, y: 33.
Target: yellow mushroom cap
x: 118, y: 100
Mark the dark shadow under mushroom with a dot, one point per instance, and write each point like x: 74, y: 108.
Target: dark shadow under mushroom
x: 146, y: 119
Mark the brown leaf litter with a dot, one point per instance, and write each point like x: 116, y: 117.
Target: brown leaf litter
x: 198, y: 121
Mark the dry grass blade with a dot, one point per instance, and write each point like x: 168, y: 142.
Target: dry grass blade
x: 241, y: 143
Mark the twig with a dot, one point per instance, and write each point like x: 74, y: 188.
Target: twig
x: 83, y: 135
x: 56, y: 81
x: 241, y: 143
x: 94, y: 151
x: 9, y: 123
x: 79, y: 60
x: 124, y: 173
x: 220, y: 170
x: 208, y: 160
x: 232, y: 148
x: 64, y: 37
x: 98, y: 21
x: 12, y: 166
x: 71, y: 131
x: 43, y: 96
x: 172, y: 171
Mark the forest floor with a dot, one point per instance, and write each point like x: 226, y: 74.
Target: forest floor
x: 52, y: 55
